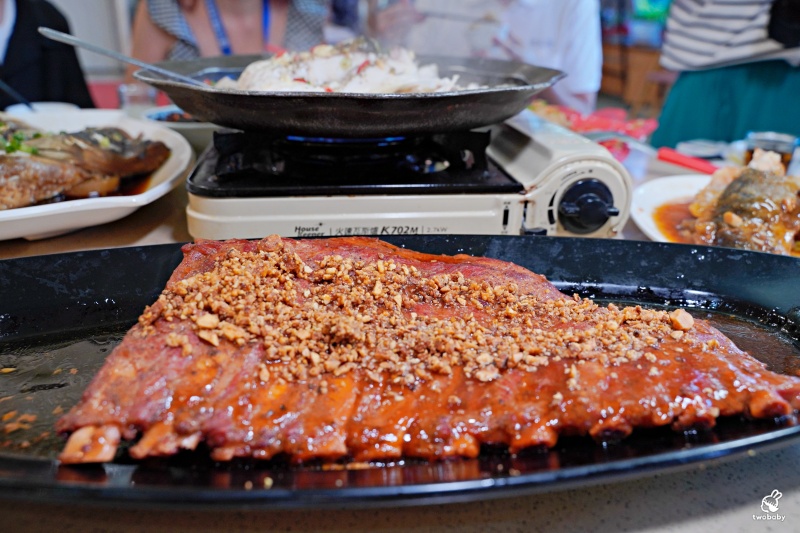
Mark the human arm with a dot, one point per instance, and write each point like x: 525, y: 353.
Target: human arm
x: 149, y: 42
x: 582, y: 60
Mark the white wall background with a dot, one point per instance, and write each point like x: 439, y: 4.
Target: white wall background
x: 105, y: 23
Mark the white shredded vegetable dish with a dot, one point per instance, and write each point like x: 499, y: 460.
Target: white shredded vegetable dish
x: 343, y: 69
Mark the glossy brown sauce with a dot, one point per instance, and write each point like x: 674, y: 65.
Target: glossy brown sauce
x: 51, y: 375
x: 668, y: 218
x: 130, y: 186
x: 133, y: 185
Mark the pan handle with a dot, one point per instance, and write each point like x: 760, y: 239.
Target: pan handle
x: 69, y: 39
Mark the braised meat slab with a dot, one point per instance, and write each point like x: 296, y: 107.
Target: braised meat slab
x: 353, y: 349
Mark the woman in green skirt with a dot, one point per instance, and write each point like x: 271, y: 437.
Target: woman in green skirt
x: 734, y: 77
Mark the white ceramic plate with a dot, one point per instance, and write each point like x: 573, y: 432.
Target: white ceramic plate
x: 655, y: 193
x: 50, y: 107
x: 41, y: 221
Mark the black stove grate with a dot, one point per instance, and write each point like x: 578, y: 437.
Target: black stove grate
x: 240, y: 164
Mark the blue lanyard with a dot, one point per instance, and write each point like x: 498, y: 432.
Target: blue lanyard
x: 219, y: 29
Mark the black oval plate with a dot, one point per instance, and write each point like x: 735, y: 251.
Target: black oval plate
x: 60, y: 315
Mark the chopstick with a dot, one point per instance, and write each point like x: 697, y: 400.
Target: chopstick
x: 671, y: 155
x: 10, y: 91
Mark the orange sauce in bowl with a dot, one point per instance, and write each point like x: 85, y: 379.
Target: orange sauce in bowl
x: 668, y: 218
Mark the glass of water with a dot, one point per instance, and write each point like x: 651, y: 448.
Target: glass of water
x: 136, y: 98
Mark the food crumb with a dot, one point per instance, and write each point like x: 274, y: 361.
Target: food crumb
x: 23, y: 421
x: 681, y: 320
x: 557, y: 398
x: 246, y: 284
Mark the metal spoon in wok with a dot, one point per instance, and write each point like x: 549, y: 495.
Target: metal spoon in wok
x: 69, y: 39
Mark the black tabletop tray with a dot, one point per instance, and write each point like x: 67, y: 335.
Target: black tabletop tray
x: 60, y: 315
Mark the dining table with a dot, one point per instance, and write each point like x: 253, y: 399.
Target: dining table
x: 724, y: 494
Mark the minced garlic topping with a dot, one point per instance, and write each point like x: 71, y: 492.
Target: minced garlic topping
x: 385, y: 317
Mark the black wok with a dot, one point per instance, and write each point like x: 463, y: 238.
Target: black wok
x: 508, y: 89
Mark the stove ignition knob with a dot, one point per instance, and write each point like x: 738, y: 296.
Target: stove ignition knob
x: 586, y: 206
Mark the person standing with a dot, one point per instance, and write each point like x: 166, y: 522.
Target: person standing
x: 738, y: 70
x: 564, y: 35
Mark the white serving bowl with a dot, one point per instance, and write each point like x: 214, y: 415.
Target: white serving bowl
x: 199, y: 134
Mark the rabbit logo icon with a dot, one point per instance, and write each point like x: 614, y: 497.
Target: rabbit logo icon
x: 769, y: 506
x: 770, y: 503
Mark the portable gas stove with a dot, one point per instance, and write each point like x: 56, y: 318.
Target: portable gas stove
x: 524, y: 176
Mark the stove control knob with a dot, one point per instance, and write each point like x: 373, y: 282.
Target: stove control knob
x: 586, y: 206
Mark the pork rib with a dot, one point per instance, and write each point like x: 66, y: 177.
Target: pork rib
x: 355, y: 349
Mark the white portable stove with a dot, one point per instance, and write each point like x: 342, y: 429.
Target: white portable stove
x: 538, y: 178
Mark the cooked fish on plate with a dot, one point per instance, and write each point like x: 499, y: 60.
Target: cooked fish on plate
x: 104, y: 163
x: 754, y: 208
x: 40, y: 165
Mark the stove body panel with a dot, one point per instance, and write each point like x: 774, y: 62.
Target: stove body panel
x: 372, y: 215
x: 524, y: 176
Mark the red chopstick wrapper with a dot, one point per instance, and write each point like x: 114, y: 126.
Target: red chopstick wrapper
x: 670, y: 155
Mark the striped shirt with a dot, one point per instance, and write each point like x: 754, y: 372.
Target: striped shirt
x: 704, y: 34
x: 304, y: 26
